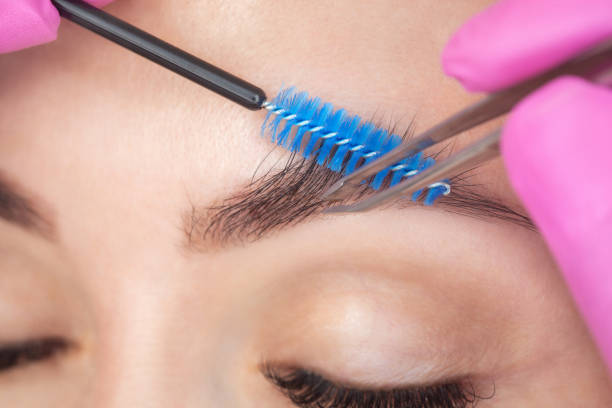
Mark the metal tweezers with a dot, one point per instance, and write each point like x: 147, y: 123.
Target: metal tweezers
x: 594, y: 65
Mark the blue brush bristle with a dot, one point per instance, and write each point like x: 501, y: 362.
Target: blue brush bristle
x: 357, y: 148
x: 348, y: 130
x: 341, y: 142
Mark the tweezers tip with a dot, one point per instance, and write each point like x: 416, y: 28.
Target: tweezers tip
x: 334, y: 192
x: 341, y: 190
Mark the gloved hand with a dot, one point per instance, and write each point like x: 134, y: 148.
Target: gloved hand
x: 557, y: 142
x: 24, y: 23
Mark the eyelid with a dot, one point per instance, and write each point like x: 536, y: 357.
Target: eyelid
x: 307, y: 389
x: 14, y: 355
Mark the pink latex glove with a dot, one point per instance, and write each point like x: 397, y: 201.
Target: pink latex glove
x: 24, y: 23
x: 557, y: 143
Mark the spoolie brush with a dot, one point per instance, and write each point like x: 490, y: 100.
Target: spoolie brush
x: 301, y: 124
x: 340, y: 141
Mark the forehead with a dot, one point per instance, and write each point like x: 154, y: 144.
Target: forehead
x: 120, y: 133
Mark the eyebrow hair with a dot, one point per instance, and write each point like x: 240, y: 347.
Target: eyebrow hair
x: 285, y: 198
x: 18, y: 208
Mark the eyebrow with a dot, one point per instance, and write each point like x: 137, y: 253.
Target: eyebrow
x: 291, y: 196
x: 16, y: 207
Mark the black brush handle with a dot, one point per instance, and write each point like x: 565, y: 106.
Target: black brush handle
x: 166, y: 55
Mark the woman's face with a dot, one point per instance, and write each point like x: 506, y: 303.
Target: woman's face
x: 114, y: 293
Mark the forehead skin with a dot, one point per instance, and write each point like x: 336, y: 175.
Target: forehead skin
x: 380, y: 62
x: 119, y: 148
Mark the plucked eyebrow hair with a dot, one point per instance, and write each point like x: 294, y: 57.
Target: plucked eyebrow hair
x: 284, y: 198
x: 17, y: 207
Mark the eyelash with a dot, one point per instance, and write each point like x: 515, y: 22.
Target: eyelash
x: 307, y: 389
x: 304, y: 388
x: 15, y: 355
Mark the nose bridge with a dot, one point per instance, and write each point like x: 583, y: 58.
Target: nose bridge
x: 160, y: 337
x: 158, y: 343
x: 129, y: 350
x: 151, y: 347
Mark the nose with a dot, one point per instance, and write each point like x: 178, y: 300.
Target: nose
x: 158, y: 342
x: 130, y: 360
x: 139, y: 367
x: 142, y: 356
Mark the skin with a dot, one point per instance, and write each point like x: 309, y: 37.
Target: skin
x: 117, y: 149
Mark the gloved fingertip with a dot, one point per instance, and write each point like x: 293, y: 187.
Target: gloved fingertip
x: 553, y: 141
x: 468, y: 56
x: 456, y: 64
x: 27, y: 23
x: 556, y: 146
x: 515, y: 39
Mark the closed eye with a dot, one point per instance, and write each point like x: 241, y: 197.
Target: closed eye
x: 307, y: 389
x: 15, y: 355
